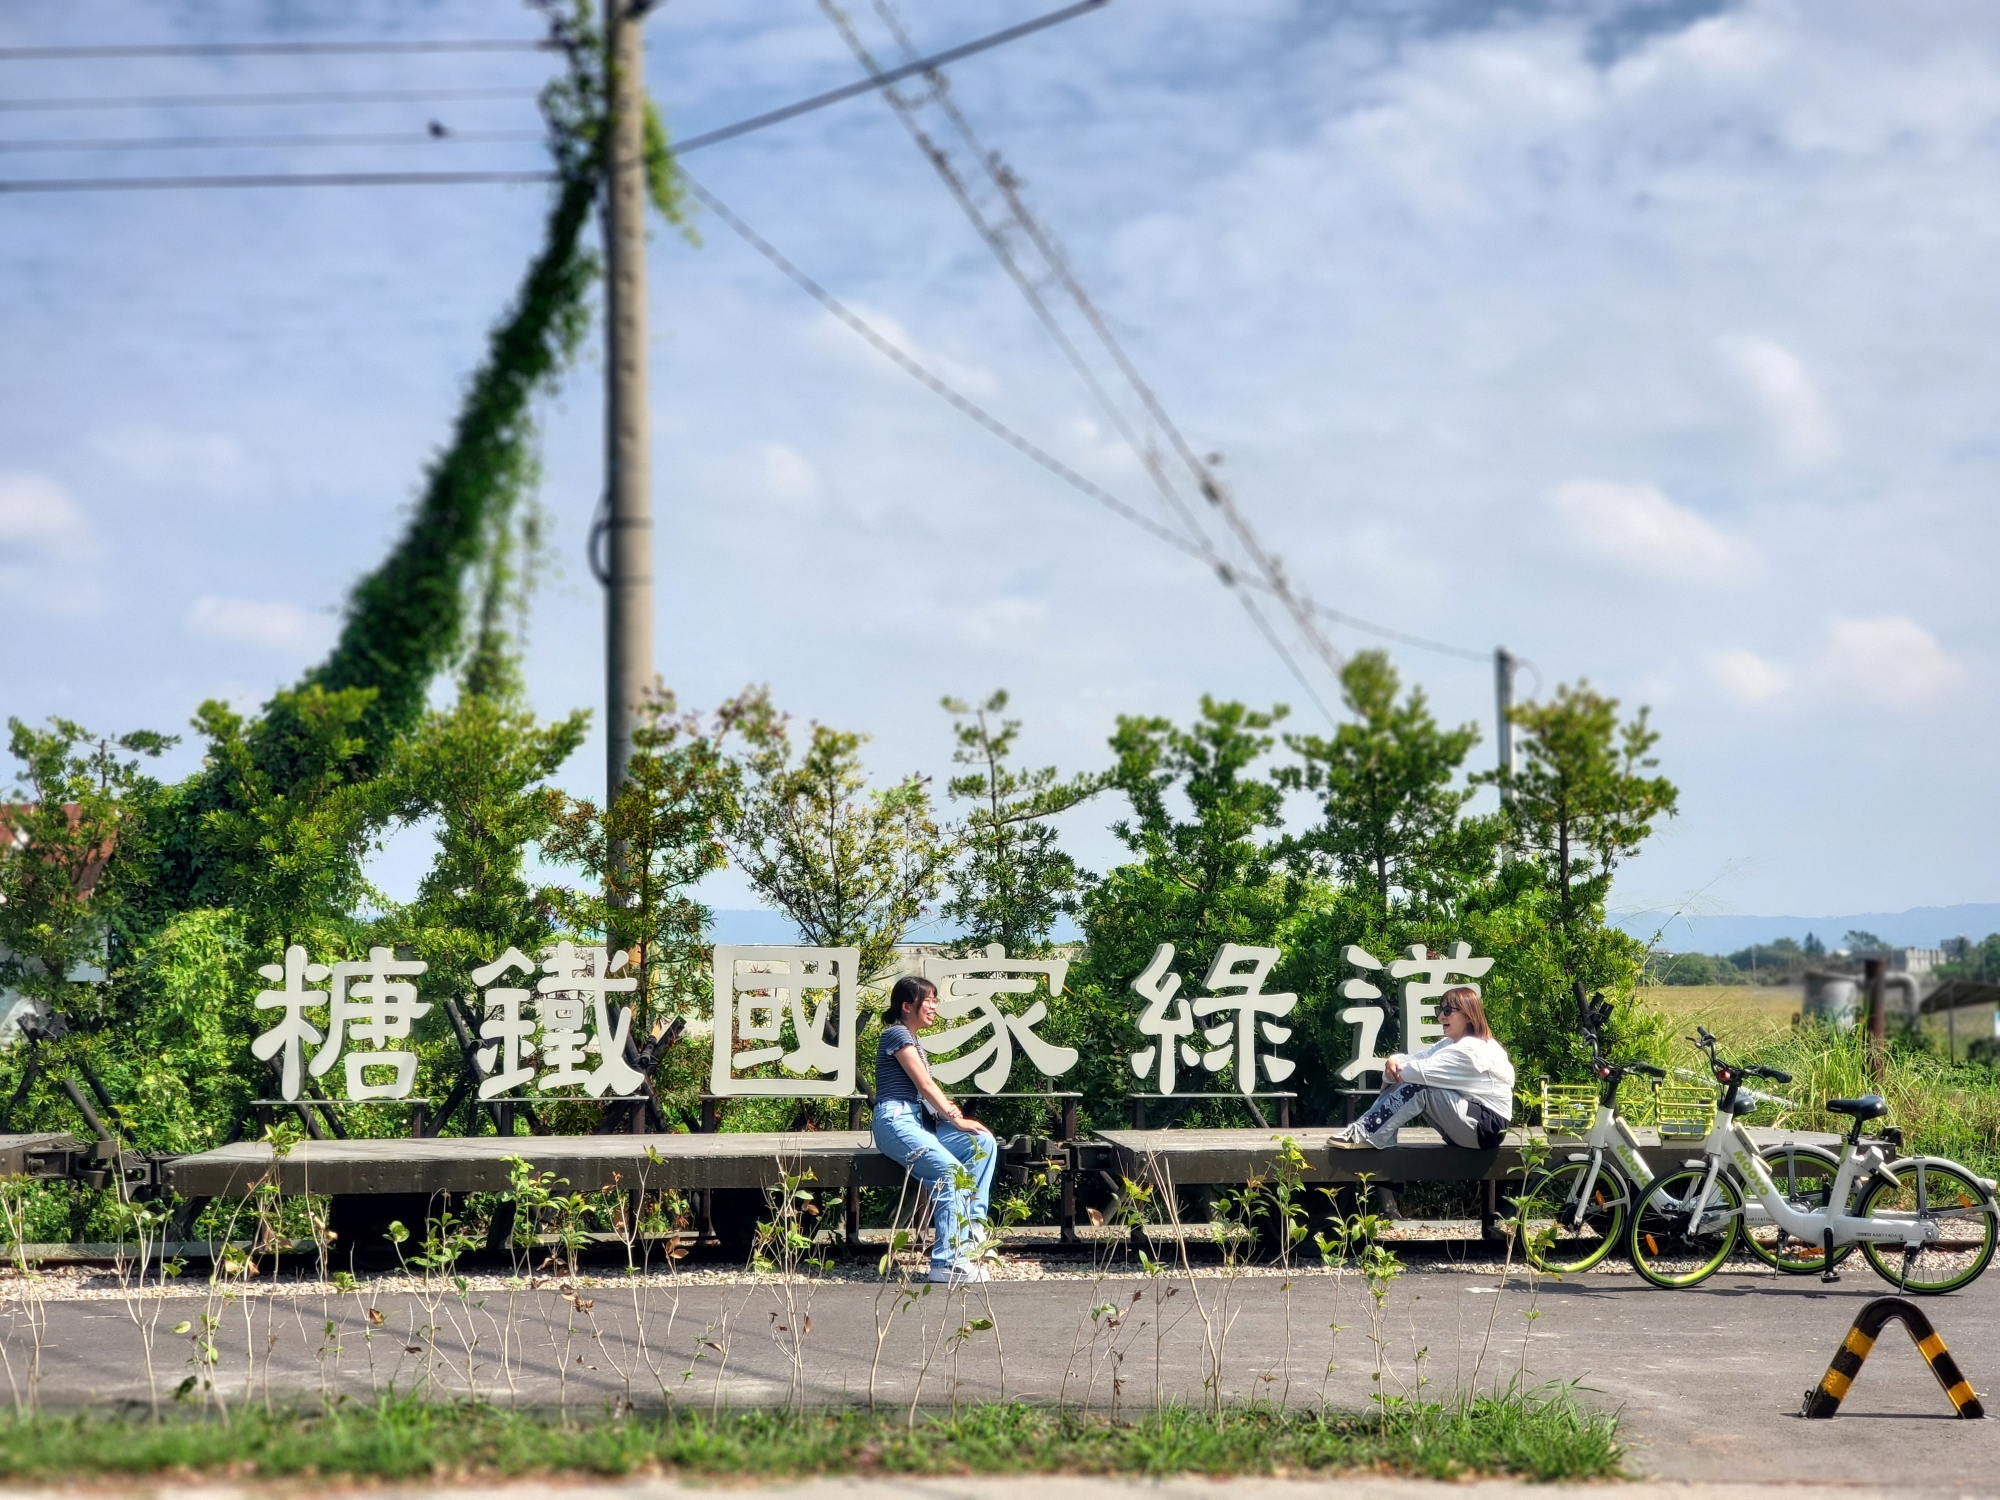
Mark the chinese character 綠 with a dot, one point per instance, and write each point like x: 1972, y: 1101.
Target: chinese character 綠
x: 759, y: 992
x: 572, y: 997
x: 506, y: 1062
x: 1165, y: 1019
x: 1366, y: 1019
x: 1428, y: 979
x: 1234, y: 989
x: 972, y: 987
x: 373, y: 999
x: 294, y: 1030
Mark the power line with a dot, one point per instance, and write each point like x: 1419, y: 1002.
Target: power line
x: 869, y: 85
x: 1267, y: 564
x: 270, y: 180
x: 1423, y: 643
x: 1026, y: 446
x: 266, y: 49
x: 217, y: 101
x: 223, y: 142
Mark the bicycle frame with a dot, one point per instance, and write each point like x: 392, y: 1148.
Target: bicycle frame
x: 1727, y: 1143
x: 1609, y: 1135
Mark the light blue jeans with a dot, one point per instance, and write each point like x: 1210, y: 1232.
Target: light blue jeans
x: 959, y: 1217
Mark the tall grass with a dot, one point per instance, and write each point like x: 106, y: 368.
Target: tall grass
x: 1546, y: 1435
x: 1944, y: 1109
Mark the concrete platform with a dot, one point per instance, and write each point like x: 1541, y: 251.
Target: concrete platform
x: 481, y: 1164
x: 1420, y: 1154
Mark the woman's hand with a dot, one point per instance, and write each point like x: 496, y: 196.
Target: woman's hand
x: 965, y: 1121
x: 1392, y: 1070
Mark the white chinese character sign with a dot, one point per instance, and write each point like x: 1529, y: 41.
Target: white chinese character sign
x: 1242, y: 1012
x: 970, y: 990
x: 794, y: 1008
x: 566, y: 1019
x: 1426, y: 979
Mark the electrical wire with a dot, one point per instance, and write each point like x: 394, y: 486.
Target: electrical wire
x: 265, y: 49
x: 1027, y: 447
x: 1266, y: 563
x: 217, y: 101
x: 223, y: 142
x: 271, y: 180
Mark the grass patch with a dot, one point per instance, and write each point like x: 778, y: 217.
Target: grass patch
x: 1544, y: 1436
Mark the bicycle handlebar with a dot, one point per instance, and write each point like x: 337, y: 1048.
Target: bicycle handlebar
x: 1646, y: 1070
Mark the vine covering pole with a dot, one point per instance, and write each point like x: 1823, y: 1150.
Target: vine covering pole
x: 628, y: 590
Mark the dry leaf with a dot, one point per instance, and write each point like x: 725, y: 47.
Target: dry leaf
x: 809, y: 1323
x: 375, y: 1316
x: 584, y: 1304
x: 412, y: 1349
x: 1095, y: 1216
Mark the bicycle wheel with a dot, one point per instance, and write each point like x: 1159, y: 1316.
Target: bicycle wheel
x: 1559, y: 1231
x: 1942, y: 1191
x: 1804, y: 1176
x: 1669, y: 1246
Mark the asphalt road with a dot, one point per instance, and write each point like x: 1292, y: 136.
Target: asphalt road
x: 1707, y: 1382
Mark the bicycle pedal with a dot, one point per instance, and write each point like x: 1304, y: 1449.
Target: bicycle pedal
x: 1829, y: 1275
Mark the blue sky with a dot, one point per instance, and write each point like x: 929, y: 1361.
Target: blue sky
x: 1655, y: 341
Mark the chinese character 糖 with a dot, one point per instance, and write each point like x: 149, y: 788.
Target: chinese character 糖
x: 374, y: 999
x: 293, y: 1030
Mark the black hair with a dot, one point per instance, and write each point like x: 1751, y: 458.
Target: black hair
x: 911, y: 989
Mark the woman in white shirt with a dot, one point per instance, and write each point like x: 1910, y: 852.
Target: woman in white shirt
x: 1463, y: 1084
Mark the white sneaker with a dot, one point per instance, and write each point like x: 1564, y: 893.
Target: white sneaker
x: 965, y: 1273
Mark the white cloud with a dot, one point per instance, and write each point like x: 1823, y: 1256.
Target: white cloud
x: 1747, y: 677
x: 37, y: 516
x: 1786, y: 395
x: 159, y: 455
x: 1887, y: 658
x: 260, y: 622
x: 788, y: 474
x: 1872, y: 659
x: 1640, y: 529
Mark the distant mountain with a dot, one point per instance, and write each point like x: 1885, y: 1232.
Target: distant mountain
x: 1919, y: 927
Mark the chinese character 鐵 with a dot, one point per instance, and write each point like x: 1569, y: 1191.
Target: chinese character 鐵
x: 761, y: 992
x: 573, y: 1006
x: 1366, y: 1019
x: 374, y: 999
x: 1428, y: 979
x: 1235, y: 982
x: 971, y: 987
x: 293, y: 1029
x: 1166, y: 1019
x: 506, y: 1062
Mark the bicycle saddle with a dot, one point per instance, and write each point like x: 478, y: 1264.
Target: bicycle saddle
x: 1867, y: 1107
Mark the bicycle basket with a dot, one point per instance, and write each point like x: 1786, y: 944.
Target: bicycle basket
x: 1682, y: 1111
x: 1568, y: 1108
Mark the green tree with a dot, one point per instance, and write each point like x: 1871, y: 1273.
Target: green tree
x: 1392, y: 821
x: 74, y: 790
x: 1582, y: 802
x: 1859, y: 940
x: 661, y: 834
x: 1010, y: 881
x: 851, y: 865
x: 1203, y: 873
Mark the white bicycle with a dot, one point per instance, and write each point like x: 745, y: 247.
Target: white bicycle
x: 1574, y: 1210
x: 1924, y: 1223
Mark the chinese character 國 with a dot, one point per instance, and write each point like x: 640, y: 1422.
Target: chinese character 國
x: 1237, y: 995
x: 760, y: 994
x: 971, y: 987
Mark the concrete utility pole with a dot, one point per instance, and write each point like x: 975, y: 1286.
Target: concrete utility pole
x: 1505, y: 664
x: 628, y: 590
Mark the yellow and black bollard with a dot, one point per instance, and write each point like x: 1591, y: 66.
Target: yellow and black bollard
x: 1824, y: 1400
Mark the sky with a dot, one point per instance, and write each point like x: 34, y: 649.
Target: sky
x: 1654, y: 341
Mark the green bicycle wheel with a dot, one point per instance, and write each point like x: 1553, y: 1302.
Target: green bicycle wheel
x: 1670, y: 1246
x: 1560, y: 1232
x: 1943, y: 1192
x: 1804, y: 1177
